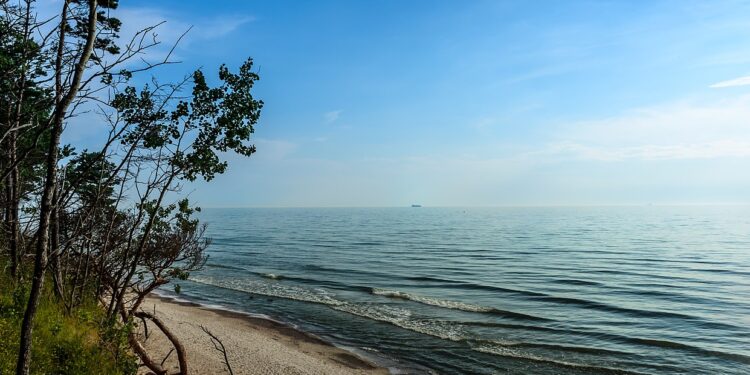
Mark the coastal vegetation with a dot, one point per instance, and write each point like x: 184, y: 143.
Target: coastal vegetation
x: 88, y: 233
x: 79, y: 341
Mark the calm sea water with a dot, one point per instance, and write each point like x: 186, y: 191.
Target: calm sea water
x: 497, y: 290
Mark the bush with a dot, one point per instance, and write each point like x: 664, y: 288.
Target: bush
x: 77, y: 343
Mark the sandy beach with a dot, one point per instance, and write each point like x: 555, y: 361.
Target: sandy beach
x: 254, y: 345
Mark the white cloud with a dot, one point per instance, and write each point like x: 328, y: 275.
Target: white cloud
x: 681, y: 130
x: 135, y: 18
x: 741, y: 81
x: 683, y: 152
x: 332, y: 116
x: 221, y: 26
x: 708, y: 150
x: 172, y: 29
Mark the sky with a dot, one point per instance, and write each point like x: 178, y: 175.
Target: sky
x: 474, y: 103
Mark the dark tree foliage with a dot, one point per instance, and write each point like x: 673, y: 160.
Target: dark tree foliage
x: 107, y: 223
x: 216, y: 120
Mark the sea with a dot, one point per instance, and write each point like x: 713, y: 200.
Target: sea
x: 527, y: 290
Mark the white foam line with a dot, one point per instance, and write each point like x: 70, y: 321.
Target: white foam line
x: 432, y: 301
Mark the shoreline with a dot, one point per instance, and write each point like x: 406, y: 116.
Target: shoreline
x: 255, y: 344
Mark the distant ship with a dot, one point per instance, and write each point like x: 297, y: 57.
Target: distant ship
x: 416, y: 205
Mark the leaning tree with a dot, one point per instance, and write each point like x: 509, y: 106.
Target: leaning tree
x: 109, y: 222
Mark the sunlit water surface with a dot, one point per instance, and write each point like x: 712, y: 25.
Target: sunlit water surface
x: 497, y: 290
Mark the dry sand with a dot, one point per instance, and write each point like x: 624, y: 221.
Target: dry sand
x: 255, y: 345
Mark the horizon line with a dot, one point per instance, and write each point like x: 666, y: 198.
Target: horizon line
x: 738, y: 204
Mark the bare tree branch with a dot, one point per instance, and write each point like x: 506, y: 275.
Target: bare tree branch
x: 219, y: 346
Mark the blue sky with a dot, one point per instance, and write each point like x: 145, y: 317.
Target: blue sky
x: 475, y: 103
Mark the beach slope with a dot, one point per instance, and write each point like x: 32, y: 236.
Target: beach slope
x: 254, y: 345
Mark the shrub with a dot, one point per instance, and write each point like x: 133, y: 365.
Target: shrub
x: 81, y: 342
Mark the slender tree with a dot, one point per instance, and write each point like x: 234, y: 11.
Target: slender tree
x: 109, y: 223
x: 63, y: 99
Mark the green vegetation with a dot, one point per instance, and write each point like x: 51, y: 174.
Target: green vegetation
x: 80, y: 342
x: 106, y: 222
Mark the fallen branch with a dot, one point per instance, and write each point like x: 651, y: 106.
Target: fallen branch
x: 219, y: 346
x: 179, y: 349
x: 145, y: 330
x: 143, y: 355
x: 167, y: 356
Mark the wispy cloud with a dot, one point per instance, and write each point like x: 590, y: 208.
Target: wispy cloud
x: 203, y: 28
x: 741, y: 81
x: 221, y: 26
x: 648, y: 152
x: 332, y: 116
x: 173, y: 30
x: 683, y: 130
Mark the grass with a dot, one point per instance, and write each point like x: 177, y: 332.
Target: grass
x: 80, y: 342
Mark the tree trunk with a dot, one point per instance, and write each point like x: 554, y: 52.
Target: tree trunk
x: 11, y: 210
x: 54, y: 252
x: 12, y: 188
x: 40, y: 262
x: 13, y: 239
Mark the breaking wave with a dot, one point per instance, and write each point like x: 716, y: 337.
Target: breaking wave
x: 454, y: 305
